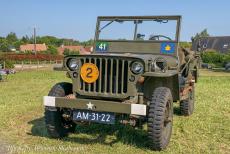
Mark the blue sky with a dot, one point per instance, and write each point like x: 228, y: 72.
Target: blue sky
x: 76, y: 19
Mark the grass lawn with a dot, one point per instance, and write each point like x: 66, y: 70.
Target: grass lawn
x: 22, y: 127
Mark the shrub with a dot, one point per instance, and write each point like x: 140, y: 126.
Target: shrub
x: 70, y: 52
x: 30, y: 57
x: 226, y: 58
x: 215, y: 58
x: 66, y: 52
x: 8, y: 64
x: 212, y: 57
x: 51, y: 50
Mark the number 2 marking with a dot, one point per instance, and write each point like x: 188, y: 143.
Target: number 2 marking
x: 89, y: 72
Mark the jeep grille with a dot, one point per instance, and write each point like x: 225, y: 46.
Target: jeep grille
x: 112, y: 80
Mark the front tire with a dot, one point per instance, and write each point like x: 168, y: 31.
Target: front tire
x: 57, y: 126
x: 160, y: 118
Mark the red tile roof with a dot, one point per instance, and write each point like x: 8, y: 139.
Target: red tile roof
x: 81, y: 49
x: 88, y: 48
x: 30, y: 47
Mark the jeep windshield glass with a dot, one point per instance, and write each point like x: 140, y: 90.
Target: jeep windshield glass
x: 151, y: 30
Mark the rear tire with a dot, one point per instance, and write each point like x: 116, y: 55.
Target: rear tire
x: 187, y: 106
x: 160, y: 118
x: 57, y: 126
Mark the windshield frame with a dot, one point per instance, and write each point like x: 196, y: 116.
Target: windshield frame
x: 133, y: 18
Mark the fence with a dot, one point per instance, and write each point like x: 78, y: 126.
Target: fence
x: 25, y: 65
x: 29, y: 61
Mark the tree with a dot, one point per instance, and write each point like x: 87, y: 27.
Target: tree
x: 66, y: 52
x: 4, y: 46
x: 69, y: 42
x: 203, y: 33
x: 11, y: 41
x: 17, y: 44
x: 11, y: 38
x: 25, y: 39
x: 52, y: 50
x: 70, y: 52
x: 87, y: 43
x: 49, y: 40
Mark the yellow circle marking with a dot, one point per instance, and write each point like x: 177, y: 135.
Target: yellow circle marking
x: 89, y: 72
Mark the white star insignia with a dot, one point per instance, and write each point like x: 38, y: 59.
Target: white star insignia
x: 90, y: 105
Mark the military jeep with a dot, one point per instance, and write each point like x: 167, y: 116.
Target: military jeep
x: 136, y: 71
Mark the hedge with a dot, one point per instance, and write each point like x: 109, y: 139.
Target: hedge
x: 31, y: 57
x: 8, y: 64
x: 214, y: 57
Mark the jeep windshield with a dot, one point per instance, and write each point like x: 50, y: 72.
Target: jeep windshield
x: 137, y: 34
x: 138, y: 29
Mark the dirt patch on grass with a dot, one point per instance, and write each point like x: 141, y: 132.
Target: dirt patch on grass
x: 224, y: 148
x: 4, y: 147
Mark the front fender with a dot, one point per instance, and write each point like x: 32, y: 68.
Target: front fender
x: 169, y: 80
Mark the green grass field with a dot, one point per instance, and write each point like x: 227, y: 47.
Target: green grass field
x: 22, y: 127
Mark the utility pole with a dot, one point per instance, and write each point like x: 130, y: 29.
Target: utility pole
x: 35, y: 50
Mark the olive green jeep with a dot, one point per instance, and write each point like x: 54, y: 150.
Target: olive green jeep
x: 136, y: 71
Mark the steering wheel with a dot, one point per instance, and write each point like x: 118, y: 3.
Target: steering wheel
x: 157, y: 37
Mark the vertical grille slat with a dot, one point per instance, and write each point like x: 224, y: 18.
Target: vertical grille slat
x: 125, y: 77
x: 82, y: 80
x: 106, y: 71
x: 122, y: 75
x: 113, y: 76
x: 117, y: 76
x: 100, y: 77
x: 95, y: 83
x: 103, y: 76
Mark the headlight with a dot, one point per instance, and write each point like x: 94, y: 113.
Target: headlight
x: 73, y: 64
x: 137, y: 67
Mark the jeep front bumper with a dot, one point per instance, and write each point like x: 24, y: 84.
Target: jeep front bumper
x: 95, y: 105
